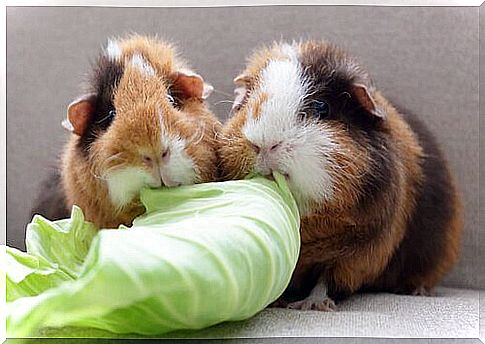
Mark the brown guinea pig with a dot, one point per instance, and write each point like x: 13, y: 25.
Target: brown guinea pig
x: 143, y: 123
x: 379, y: 208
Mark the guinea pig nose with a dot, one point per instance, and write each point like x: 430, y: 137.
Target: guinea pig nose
x: 166, y: 155
x: 147, y: 160
x: 276, y: 145
x: 256, y: 148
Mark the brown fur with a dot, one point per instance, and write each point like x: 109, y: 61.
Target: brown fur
x: 138, y: 102
x: 357, y: 239
x: 232, y: 141
x: 325, y: 230
x: 257, y: 102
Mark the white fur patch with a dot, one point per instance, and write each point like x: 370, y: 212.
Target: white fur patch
x: 142, y: 65
x: 309, y: 162
x: 303, y: 147
x: 179, y: 169
x: 282, y: 82
x: 125, y: 184
x: 113, y: 50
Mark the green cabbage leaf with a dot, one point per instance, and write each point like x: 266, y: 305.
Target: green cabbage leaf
x: 200, y: 255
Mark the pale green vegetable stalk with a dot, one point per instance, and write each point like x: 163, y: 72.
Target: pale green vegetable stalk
x: 201, y: 255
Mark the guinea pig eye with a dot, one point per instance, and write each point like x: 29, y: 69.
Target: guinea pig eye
x: 108, y: 118
x: 170, y: 99
x: 322, y: 109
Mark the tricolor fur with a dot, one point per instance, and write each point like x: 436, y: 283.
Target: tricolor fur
x: 144, y: 131
x: 361, y: 173
x: 280, y: 90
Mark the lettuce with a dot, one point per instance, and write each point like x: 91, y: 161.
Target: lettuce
x: 200, y: 255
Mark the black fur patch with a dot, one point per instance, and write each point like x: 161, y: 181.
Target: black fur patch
x: 331, y: 74
x: 422, y: 246
x: 50, y: 201
x: 104, y: 81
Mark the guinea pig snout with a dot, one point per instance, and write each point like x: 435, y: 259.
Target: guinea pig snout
x: 158, y: 165
x: 151, y: 161
x: 265, y: 148
x: 267, y: 159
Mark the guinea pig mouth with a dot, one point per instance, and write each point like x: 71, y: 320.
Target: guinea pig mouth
x: 167, y: 180
x: 163, y: 181
x: 173, y: 185
x: 271, y: 176
x: 170, y: 184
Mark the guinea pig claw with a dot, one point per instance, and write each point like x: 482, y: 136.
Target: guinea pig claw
x: 322, y: 304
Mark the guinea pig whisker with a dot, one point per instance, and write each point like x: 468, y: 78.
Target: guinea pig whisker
x: 221, y: 92
x: 96, y: 175
x: 118, y: 160
x: 224, y: 102
x: 228, y: 139
x: 113, y: 167
x: 114, y: 157
x: 200, y: 132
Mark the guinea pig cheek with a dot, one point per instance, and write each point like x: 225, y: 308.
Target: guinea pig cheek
x: 269, y: 159
x: 179, y: 169
x: 124, y: 174
x: 309, y: 164
x: 124, y: 184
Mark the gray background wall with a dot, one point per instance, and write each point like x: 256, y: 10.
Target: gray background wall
x: 427, y: 58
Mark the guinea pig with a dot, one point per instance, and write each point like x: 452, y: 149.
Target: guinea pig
x: 379, y: 207
x: 143, y: 123
x: 50, y: 201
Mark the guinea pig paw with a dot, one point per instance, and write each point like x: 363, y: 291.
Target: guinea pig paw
x: 422, y: 291
x: 280, y: 303
x: 322, y: 304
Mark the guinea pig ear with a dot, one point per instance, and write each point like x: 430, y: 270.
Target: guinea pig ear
x: 241, y: 82
x: 187, y: 84
x: 79, y: 114
x: 364, y: 98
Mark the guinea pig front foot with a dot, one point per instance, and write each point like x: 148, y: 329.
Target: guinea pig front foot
x: 280, y: 303
x: 318, y: 299
x: 422, y: 291
x: 316, y: 303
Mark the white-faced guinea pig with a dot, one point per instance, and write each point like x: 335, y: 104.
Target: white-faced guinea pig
x: 142, y: 123
x: 379, y: 208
